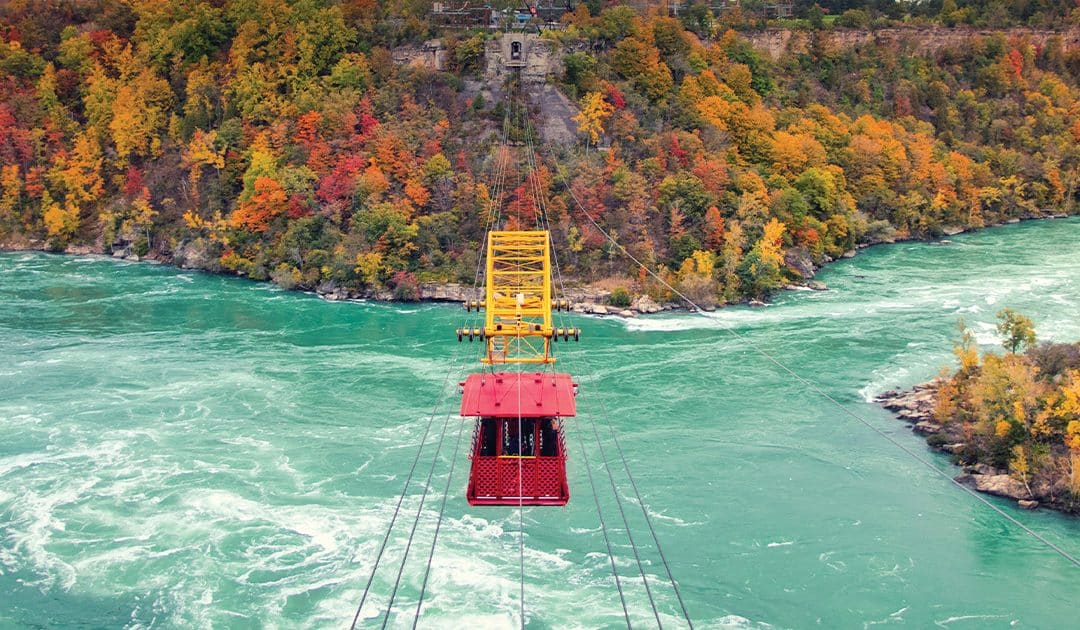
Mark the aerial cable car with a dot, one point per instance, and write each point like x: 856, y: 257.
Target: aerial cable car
x: 518, y: 454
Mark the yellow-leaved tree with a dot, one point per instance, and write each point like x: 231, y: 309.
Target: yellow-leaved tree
x: 139, y: 115
x: 771, y: 245
x: 202, y: 151
x: 595, y: 110
x: 1072, y: 440
x: 61, y: 222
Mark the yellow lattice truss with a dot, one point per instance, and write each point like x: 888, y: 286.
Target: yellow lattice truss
x: 518, y: 301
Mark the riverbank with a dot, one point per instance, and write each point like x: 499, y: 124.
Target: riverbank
x: 585, y: 298
x: 916, y: 406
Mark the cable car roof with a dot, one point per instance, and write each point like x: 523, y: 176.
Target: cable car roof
x: 497, y: 395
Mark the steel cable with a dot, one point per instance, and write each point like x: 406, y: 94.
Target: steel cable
x: 817, y: 389
x: 404, y: 491
x: 491, y: 216
x: 541, y: 202
x: 416, y: 521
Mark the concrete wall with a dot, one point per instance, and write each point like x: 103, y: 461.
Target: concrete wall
x: 539, y: 59
x: 431, y: 55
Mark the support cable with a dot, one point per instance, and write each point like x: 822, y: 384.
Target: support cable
x: 404, y: 491
x: 491, y: 217
x: 438, y: 525
x: 521, y: 509
x: 626, y: 466
x: 817, y: 389
x: 603, y: 526
x: 541, y: 220
x: 416, y: 520
x: 611, y: 478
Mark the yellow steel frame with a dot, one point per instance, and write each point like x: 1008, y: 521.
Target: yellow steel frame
x: 518, y: 301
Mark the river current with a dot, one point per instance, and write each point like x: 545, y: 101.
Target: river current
x: 183, y: 450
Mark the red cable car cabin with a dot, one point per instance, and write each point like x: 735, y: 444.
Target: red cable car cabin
x: 511, y: 467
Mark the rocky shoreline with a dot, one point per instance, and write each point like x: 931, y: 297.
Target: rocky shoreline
x: 916, y: 407
x: 589, y: 300
x: 583, y: 299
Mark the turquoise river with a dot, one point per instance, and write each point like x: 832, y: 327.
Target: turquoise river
x: 183, y: 450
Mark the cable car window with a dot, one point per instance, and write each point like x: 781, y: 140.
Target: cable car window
x: 515, y: 50
x: 511, y: 441
x: 549, y: 437
x: 487, y: 436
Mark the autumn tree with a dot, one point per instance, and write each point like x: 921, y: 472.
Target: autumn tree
x: 714, y: 229
x: 139, y: 115
x: 760, y: 271
x: 595, y: 110
x: 268, y: 201
x: 1017, y: 331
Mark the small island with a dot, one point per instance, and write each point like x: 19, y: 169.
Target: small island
x: 1011, y: 421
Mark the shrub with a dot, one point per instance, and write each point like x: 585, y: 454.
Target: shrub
x: 140, y: 247
x: 619, y: 297
x: 405, y: 286
x: 286, y: 276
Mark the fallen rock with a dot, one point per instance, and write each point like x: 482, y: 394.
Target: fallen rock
x: 953, y: 231
x: 1013, y: 220
x: 578, y: 307
x: 598, y: 309
x: 1028, y: 505
x: 910, y: 414
x: 848, y: 254
x: 1000, y: 485
x: 983, y: 469
x: 757, y: 303
x: 627, y: 313
x: 953, y: 448
x: 925, y: 427
x: 645, y: 304
x: 886, y: 395
x: 817, y: 285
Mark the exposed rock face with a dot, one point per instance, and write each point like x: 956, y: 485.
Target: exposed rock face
x: 194, y: 255
x: 449, y: 292
x: 432, y: 54
x: 921, y: 40
x: 915, y: 405
x: 798, y: 260
x: 998, y: 485
x: 557, y: 124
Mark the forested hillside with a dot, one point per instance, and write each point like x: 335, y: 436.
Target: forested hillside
x: 278, y: 139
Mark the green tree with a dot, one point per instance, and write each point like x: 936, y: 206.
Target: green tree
x: 1017, y: 331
